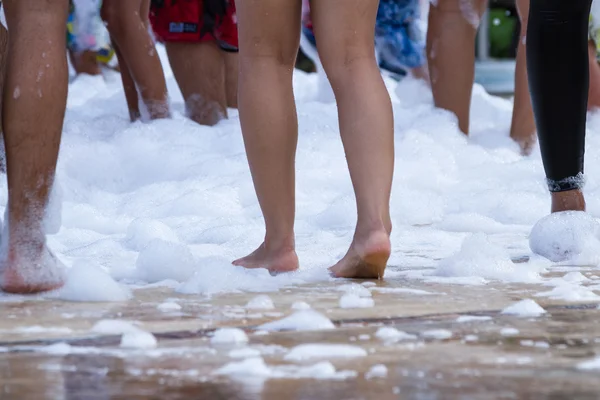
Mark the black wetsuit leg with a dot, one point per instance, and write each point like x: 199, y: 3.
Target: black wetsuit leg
x: 557, y: 66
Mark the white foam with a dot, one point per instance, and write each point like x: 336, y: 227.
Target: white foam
x: 306, y: 320
x: 571, y: 237
x: 142, y: 231
x: 88, y: 282
x: 590, y: 365
x: 300, y: 305
x: 354, y: 289
x: 138, y: 339
x: 112, y: 326
x: 353, y: 301
x: 524, y: 308
x: 262, y: 302
x: 229, y: 336
x: 245, y: 352
x: 377, y: 371
x: 162, y: 260
x: 509, y: 331
x: 168, y: 306
x: 256, y: 368
x: 472, y: 318
x: 478, y: 257
x: 388, y: 334
x: 305, y: 352
x: 439, y: 334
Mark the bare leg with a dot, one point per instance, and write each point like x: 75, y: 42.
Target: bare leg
x: 522, y: 129
x: 3, y: 59
x: 269, y: 38
x: 231, y: 78
x: 127, y: 24
x: 85, y: 62
x: 345, y: 32
x: 450, y: 51
x: 200, y: 72
x: 34, y: 105
x: 594, y: 92
x: 131, y: 94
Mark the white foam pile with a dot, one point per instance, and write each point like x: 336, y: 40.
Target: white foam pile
x: 257, y: 368
x: 172, y: 200
x: 524, y: 308
x: 388, y: 334
x: 133, y: 337
x: 571, y: 237
x: 229, y: 336
x: 305, y: 320
x: 261, y: 302
x: 479, y: 258
x: 305, y: 352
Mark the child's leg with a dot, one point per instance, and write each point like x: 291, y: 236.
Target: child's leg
x: 450, y: 50
x: 200, y: 72
x: 127, y: 22
x: 269, y: 40
x: 231, y: 78
x: 345, y: 34
x: 557, y: 51
x: 522, y: 129
x: 131, y: 93
x: 35, y: 96
x: 85, y: 62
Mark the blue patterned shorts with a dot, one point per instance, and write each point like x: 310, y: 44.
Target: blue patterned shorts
x: 398, y: 36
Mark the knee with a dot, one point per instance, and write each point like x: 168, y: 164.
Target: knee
x: 349, y: 64
x: 114, y: 17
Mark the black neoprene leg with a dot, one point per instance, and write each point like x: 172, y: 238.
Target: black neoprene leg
x: 557, y: 65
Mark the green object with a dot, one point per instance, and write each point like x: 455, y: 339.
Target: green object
x: 503, y: 24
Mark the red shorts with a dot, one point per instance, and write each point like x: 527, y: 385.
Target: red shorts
x: 183, y: 21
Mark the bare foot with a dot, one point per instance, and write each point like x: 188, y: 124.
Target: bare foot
x: 527, y: 144
x: 278, y: 261
x: 32, y: 274
x: 366, y: 258
x: 570, y: 200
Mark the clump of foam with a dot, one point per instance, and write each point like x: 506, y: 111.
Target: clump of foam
x: 354, y: 301
x: 138, y: 339
x: 261, y: 302
x: 478, y: 257
x: 438, y: 334
x: 355, y: 289
x: 229, y: 336
x: 311, y: 351
x: 524, y: 308
x: 305, y: 320
x: 162, y: 260
x: 377, y: 371
x: 389, y: 334
x: 300, y: 305
x: 142, y: 231
x: 570, y: 236
x: 87, y: 282
x: 114, y: 327
x: 168, y: 306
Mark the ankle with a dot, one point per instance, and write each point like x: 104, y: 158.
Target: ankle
x: 570, y: 200
x: 279, y: 245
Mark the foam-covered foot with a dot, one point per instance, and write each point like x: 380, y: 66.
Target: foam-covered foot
x: 564, y: 236
x: 275, y: 262
x: 31, y: 273
x: 366, y: 258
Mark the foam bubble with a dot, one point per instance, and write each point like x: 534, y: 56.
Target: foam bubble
x: 162, y: 260
x: 570, y: 236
